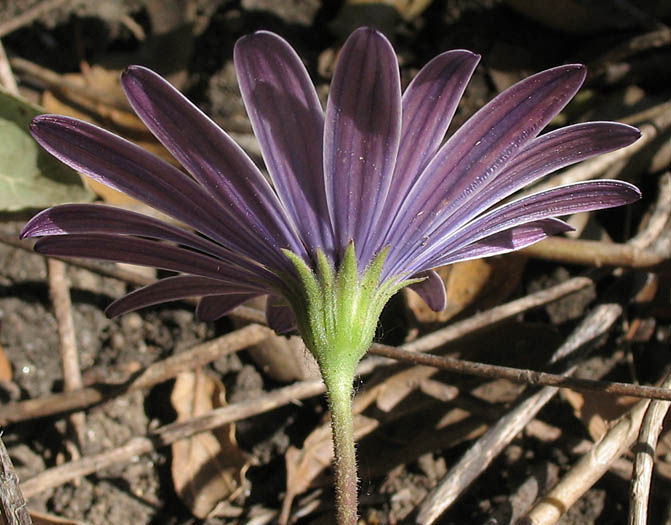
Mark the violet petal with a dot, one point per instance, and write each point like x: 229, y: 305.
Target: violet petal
x: 541, y: 156
x: 479, y: 150
x: 512, y: 239
x: 280, y: 316
x: 211, y: 157
x: 169, y: 289
x: 564, y: 200
x: 431, y: 290
x: 95, y: 218
x: 145, y: 252
x: 123, y: 166
x: 288, y: 122
x: 361, y: 134
x: 428, y: 105
x: 213, y: 307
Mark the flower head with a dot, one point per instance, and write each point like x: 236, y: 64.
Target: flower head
x: 363, y: 198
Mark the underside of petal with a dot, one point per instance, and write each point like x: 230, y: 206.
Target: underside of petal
x: 280, y: 316
x: 214, y: 307
x: 212, y: 158
x: 565, y: 200
x: 361, y: 134
x: 288, y: 122
x: 509, y: 240
x: 170, y: 289
x: 428, y: 105
x: 123, y: 166
x: 431, y: 290
x: 145, y: 252
x: 479, y: 150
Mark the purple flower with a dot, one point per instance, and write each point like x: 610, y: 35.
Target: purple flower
x: 365, y: 198
x: 370, y: 176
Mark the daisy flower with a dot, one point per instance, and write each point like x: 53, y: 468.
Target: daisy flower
x: 360, y: 200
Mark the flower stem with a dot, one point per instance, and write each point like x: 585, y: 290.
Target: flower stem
x: 339, y: 392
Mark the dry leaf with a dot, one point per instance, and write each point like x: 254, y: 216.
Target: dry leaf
x: 478, y: 283
x: 208, y: 467
x: 597, y: 409
x: 5, y: 367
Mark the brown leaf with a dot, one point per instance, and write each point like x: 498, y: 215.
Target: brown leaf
x: 5, y: 367
x: 208, y: 467
x: 480, y: 283
x: 597, y: 409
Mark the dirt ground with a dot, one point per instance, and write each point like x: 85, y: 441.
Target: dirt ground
x: 412, y: 442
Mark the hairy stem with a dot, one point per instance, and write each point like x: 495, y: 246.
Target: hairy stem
x: 339, y: 392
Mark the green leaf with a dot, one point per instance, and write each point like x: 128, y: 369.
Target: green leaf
x: 29, y: 176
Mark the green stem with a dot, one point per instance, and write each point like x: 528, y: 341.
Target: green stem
x: 339, y: 392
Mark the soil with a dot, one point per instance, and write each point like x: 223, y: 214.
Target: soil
x: 401, y: 461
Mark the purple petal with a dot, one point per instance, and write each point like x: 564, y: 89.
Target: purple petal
x: 146, y: 252
x: 428, y: 105
x: 288, y: 122
x: 564, y: 200
x: 431, y: 290
x: 94, y: 218
x: 361, y: 134
x: 509, y: 240
x: 541, y: 156
x: 122, y: 165
x: 170, y: 289
x: 215, y: 306
x: 211, y: 157
x: 280, y: 316
x: 479, y: 150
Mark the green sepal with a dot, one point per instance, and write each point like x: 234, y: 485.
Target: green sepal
x: 337, y: 311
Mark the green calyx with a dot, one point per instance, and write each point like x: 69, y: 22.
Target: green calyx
x: 337, y: 310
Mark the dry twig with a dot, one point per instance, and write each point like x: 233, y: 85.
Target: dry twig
x: 28, y: 16
x: 59, y: 292
x: 12, y: 504
x: 168, y: 434
x: 644, y: 460
x: 485, y: 449
x: 6, y: 76
x: 590, y: 468
x: 158, y: 372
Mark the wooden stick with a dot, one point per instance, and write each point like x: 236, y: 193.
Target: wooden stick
x: 156, y: 373
x: 59, y: 292
x: 12, y: 502
x: 28, y: 16
x: 480, y: 455
x: 168, y: 434
x: 597, y: 253
x: 591, y: 466
x: 644, y: 461
x: 6, y: 76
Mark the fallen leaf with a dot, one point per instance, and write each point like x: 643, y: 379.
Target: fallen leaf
x: 480, y: 283
x: 208, y: 467
x: 5, y: 367
x: 597, y: 409
x: 29, y: 176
